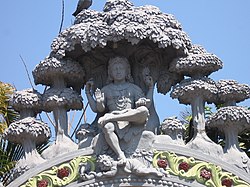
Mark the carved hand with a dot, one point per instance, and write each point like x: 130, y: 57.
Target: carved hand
x: 142, y: 102
x: 99, y: 96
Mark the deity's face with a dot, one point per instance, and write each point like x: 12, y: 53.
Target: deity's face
x: 118, y: 72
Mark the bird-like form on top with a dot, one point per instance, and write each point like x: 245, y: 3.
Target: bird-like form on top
x: 82, y: 4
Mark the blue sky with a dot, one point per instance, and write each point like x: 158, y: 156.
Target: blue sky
x: 221, y: 26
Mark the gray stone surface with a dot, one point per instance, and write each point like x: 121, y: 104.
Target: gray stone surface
x: 196, y: 92
x: 27, y: 102
x: 190, y: 89
x: 159, y: 53
x: 197, y: 64
x: 122, y: 179
x: 62, y: 145
x: 60, y: 101
x: 65, y: 98
x: 231, y: 92
x: 122, y: 102
x: 48, y: 164
x: 121, y: 21
x: 54, y: 72
x: 173, y: 129
x: 28, y: 132
x: 65, y: 78
x: 204, y: 157
x: 85, y: 135
x: 233, y: 120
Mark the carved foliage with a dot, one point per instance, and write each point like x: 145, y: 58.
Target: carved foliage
x: 60, y: 175
x: 208, y: 174
x: 205, y: 173
x: 120, y: 20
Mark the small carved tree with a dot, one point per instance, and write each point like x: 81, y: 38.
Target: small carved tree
x: 233, y: 120
x: 60, y: 98
x: 174, y: 128
x: 196, y: 92
x: 27, y: 131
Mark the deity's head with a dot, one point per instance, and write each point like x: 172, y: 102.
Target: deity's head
x: 119, y: 61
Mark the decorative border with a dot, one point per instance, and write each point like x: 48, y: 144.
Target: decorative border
x: 205, y: 173
x: 61, y: 175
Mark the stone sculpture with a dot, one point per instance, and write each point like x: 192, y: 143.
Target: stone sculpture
x: 60, y: 97
x: 231, y: 92
x: 27, y: 131
x: 233, y: 120
x: 197, y: 64
x: 27, y: 102
x: 172, y: 132
x: 107, y: 167
x: 124, y: 102
x: 118, y: 56
x: 85, y: 134
x: 196, y: 91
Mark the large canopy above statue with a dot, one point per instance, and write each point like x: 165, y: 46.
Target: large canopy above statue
x: 121, y: 21
x: 145, y: 35
x: 124, y: 51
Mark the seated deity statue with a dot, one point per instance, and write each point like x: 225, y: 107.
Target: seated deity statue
x: 122, y: 102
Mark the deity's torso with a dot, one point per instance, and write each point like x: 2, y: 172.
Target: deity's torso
x: 120, y: 97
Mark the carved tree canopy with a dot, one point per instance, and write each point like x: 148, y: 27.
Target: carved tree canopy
x: 121, y: 21
x: 27, y: 99
x: 124, y: 30
x: 187, y: 90
x: 66, y: 98
x: 197, y: 63
x: 171, y: 124
x: 117, y: 4
x: 27, y: 128
x: 231, y: 90
x: 50, y: 68
x: 231, y: 116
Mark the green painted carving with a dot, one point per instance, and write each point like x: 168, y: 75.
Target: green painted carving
x: 203, y: 172
x: 61, y: 175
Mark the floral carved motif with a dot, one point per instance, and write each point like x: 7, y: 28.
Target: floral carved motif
x: 60, y: 175
x: 205, y: 173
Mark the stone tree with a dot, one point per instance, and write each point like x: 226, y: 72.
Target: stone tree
x: 63, y: 77
x: 232, y: 120
x: 126, y: 52
x: 197, y: 64
x: 172, y: 131
x: 196, y: 91
x: 27, y: 131
x: 144, y: 35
